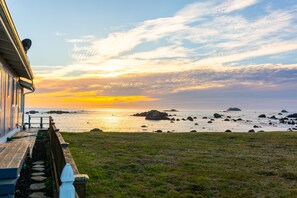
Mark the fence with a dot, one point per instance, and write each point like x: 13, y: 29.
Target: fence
x: 61, y: 156
x: 38, y: 121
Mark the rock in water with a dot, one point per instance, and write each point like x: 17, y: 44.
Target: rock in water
x: 216, y: 115
x: 294, y: 115
x: 143, y: 114
x: 156, y: 115
x: 190, y: 118
x: 284, y: 111
x: 96, y: 130
x: 234, y: 109
x: 262, y: 116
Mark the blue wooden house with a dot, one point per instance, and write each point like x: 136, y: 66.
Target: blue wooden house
x: 16, y: 80
x: 15, y: 76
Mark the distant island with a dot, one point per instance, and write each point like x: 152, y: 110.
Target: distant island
x: 171, y: 110
x: 233, y: 109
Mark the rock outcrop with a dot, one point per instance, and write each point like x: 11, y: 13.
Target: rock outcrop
x: 262, y: 116
x: 156, y: 115
x: 96, y: 130
x: 233, y: 109
x: 216, y: 115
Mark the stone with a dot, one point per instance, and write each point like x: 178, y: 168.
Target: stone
x: 143, y: 114
x: 216, y: 115
x: 159, y: 131
x: 38, y: 174
x: 38, y: 195
x: 37, y: 186
x: 38, y: 178
x: 227, y: 120
x: 96, y: 130
x: 156, y: 115
x: 193, y: 131
x: 38, y: 169
x: 233, y: 109
x: 58, y: 112
x: 171, y: 110
x: 294, y: 115
x: 284, y: 111
x: 262, y: 116
x: 255, y: 126
x: 38, y: 162
x: 190, y: 118
x: 32, y: 112
x: 38, y: 166
x: 196, y: 123
x: 143, y: 126
x: 239, y: 119
x: 252, y: 131
x: 228, y: 131
x: 273, y: 117
x: 204, y: 117
x: 209, y: 122
x: 177, y: 119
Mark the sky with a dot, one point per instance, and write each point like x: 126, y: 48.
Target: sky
x: 205, y: 54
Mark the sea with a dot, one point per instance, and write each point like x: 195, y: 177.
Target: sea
x: 121, y: 120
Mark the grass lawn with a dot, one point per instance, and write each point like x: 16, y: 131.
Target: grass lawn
x: 187, y: 164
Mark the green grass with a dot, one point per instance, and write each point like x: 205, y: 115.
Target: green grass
x: 187, y: 164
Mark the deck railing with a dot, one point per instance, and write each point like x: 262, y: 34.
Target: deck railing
x: 38, y: 121
x: 61, y: 156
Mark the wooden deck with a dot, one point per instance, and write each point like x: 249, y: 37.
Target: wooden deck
x: 12, y: 157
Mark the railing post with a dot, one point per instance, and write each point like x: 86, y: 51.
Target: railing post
x: 41, y: 122
x: 67, y: 189
x: 29, y: 121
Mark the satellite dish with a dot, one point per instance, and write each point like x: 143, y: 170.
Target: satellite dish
x: 26, y: 44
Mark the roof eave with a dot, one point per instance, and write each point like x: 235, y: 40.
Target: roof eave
x: 12, y: 32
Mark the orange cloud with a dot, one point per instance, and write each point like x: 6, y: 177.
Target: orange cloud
x: 89, y: 99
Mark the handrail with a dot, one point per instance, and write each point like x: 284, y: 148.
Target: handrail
x: 61, y: 156
x: 40, y: 123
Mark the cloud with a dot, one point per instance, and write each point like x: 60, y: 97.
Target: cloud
x: 206, y: 46
x: 233, y: 5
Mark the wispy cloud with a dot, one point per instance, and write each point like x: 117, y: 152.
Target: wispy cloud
x: 206, y: 45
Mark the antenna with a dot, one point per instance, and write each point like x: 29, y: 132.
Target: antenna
x: 26, y: 44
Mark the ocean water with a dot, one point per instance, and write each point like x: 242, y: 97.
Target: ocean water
x: 120, y: 120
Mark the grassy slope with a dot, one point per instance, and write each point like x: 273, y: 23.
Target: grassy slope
x: 188, y: 164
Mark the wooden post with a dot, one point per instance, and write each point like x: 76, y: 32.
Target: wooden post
x: 29, y: 121
x: 67, y: 189
x: 41, y: 122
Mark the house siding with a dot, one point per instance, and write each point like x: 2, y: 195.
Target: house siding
x: 10, y: 114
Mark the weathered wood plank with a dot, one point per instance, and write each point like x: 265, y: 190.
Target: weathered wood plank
x: 12, y: 158
x: 30, y: 137
x: 8, y: 151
